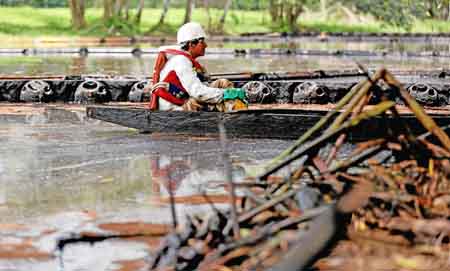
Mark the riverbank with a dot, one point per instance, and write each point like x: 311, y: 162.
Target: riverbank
x: 32, y: 22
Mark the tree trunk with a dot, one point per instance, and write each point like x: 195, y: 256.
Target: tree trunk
x: 324, y: 8
x: 139, y: 10
x: 127, y: 9
x: 118, y: 8
x: 107, y: 9
x: 166, y: 4
x: 276, y: 10
x: 445, y: 10
x: 430, y: 8
x: 224, y: 15
x: 189, y: 8
x: 98, y: 3
x: 293, y: 10
x: 287, y: 12
x: 77, y: 9
x: 271, y: 10
x: 208, y: 13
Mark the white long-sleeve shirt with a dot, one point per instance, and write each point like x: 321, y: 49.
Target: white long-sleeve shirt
x: 188, y: 78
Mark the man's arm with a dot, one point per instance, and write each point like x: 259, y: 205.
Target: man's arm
x: 193, y: 85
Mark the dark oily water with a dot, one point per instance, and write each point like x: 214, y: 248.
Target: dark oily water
x: 59, y: 161
x: 64, y: 176
x: 319, y: 42
x: 121, y: 65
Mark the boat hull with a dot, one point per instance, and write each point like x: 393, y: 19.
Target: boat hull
x: 263, y: 123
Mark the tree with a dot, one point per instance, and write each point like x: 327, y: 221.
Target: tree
x: 401, y: 13
x: 107, y: 9
x: 77, y: 9
x: 116, y: 15
x: 323, y: 8
x: 189, y: 8
x: 118, y: 8
x: 224, y: 15
x: 431, y: 7
x: 166, y: 4
x: 140, y: 8
x: 445, y: 10
x: 398, y: 12
x: 286, y: 12
x: 208, y: 13
x: 127, y: 10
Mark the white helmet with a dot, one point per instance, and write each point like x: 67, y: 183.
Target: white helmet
x: 190, y: 31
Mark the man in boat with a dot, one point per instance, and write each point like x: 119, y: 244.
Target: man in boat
x: 179, y: 81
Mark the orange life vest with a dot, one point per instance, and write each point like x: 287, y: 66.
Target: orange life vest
x: 170, y: 88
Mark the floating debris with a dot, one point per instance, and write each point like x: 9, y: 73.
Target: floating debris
x: 430, y: 88
x: 92, y: 91
x: 309, y: 92
x: 391, y: 188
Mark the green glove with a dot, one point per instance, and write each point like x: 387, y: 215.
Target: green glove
x: 234, y: 93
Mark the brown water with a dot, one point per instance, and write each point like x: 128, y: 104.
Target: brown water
x: 142, y: 66
x: 62, y: 174
x: 127, y: 64
x: 58, y: 160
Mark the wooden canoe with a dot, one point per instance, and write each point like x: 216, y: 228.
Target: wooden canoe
x: 257, y: 123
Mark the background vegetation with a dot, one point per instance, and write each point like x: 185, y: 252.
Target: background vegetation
x: 156, y: 17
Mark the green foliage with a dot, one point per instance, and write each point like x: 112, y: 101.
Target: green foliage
x: 334, y: 27
x: 235, y: 18
x: 26, y: 21
x: 120, y: 26
x: 163, y: 29
x: 417, y: 9
x: 431, y: 25
x: 48, y: 3
x: 113, y: 27
x: 396, y: 12
x: 286, y: 12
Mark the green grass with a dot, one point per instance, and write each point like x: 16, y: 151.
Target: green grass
x: 431, y: 26
x: 334, y: 26
x: 26, y: 21
x: 32, y: 22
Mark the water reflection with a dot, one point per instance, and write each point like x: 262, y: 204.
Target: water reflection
x: 142, y: 65
x: 325, y: 43
x: 78, y: 65
x: 320, y: 42
x: 66, y: 163
x: 184, y: 176
x: 121, y: 65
